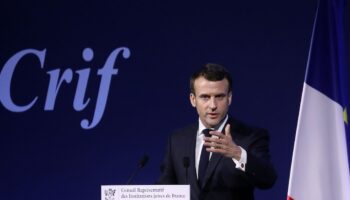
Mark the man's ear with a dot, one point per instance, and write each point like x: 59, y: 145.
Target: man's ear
x: 193, y: 99
x: 229, y: 98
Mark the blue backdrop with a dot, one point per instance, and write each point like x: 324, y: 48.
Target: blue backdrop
x: 45, y: 153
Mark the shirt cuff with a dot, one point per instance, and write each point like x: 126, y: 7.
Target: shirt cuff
x: 240, y: 164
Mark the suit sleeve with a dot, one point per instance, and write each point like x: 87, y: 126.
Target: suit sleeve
x: 259, y: 169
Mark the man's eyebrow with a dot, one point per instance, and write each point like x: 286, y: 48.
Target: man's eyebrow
x: 216, y: 95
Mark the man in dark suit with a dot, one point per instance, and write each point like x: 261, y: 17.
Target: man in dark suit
x: 220, y: 157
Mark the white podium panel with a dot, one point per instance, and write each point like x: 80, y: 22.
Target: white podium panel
x: 145, y: 192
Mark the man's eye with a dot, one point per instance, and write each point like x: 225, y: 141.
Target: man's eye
x: 205, y: 97
x: 220, y: 97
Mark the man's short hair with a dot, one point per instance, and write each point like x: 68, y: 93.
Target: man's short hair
x: 211, y: 72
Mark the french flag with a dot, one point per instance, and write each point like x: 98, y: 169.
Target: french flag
x: 320, y: 165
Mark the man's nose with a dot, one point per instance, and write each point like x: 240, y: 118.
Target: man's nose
x: 212, y: 103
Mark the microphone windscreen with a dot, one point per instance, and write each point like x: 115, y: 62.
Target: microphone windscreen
x: 143, y: 161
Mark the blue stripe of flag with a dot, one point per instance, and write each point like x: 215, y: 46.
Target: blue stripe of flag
x: 326, y: 67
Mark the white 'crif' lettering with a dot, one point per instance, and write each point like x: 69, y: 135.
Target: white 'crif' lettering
x: 57, y: 78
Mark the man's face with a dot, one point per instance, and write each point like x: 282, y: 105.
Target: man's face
x: 211, y: 99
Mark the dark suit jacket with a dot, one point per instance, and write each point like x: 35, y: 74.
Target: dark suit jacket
x: 222, y: 180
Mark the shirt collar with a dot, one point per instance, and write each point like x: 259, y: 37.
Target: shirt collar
x: 218, y: 127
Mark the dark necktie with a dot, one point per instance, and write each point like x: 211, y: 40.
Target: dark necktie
x: 204, y: 160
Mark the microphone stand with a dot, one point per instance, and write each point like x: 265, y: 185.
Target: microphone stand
x: 140, y: 165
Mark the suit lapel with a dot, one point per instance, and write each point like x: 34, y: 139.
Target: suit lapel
x: 214, y: 160
x: 192, y: 171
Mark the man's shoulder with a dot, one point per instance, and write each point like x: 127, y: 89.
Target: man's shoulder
x: 185, y: 131
x: 190, y: 128
x: 244, y: 129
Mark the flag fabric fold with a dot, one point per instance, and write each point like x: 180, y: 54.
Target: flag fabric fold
x: 320, y: 164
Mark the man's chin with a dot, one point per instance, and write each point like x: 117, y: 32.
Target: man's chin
x: 212, y: 123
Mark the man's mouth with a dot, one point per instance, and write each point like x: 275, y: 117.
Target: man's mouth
x: 212, y: 115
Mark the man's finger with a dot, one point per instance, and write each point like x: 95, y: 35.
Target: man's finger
x: 217, y: 134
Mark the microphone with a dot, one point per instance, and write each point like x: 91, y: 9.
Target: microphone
x: 140, y: 165
x: 186, y: 164
x: 143, y: 161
